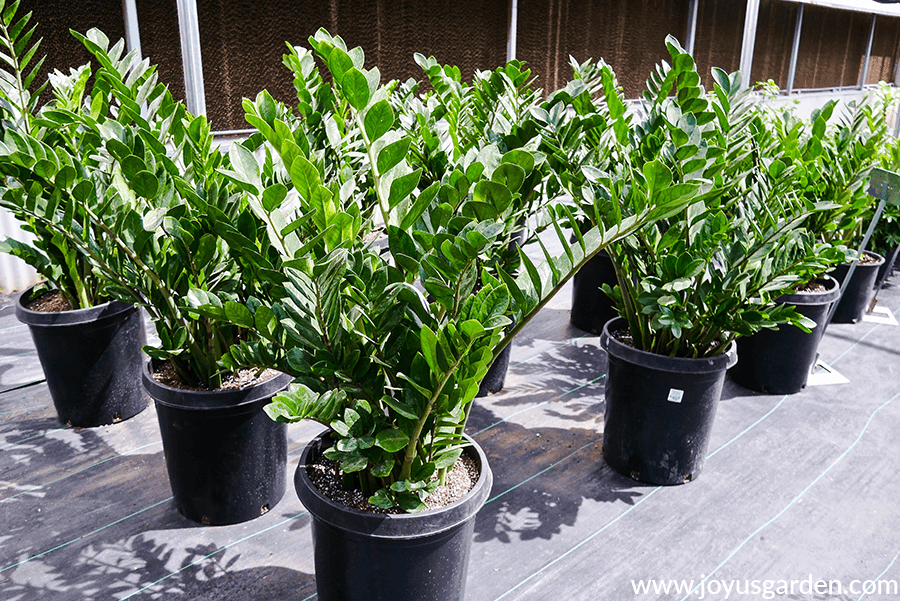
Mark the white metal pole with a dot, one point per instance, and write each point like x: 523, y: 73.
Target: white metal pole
x: 132, y: 33
x: 191, y: 60
x: 513, y: 26
x: 749, y: 40
x: 795, y: 49
x: 865, y: 67
x: 691, y: 40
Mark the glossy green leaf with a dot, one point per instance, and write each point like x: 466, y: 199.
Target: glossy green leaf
x: 378, y: 120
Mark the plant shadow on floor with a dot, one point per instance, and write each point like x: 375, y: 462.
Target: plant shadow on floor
x: 542, y: 477
x: 82, y: 522
x: 567, y: 383
x: 139, y: 567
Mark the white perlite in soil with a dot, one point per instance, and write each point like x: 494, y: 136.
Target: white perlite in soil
x: 165, y: 374
x: 326, y: 476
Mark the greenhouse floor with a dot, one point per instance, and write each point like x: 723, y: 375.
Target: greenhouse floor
x: 796, y: 488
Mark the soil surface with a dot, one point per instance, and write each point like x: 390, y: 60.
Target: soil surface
x: 326, y: 476
x: 623, y: 336
x: 868, y: 259
x: 815, y: 287
x: 165, y: 374
x: 49, y: 302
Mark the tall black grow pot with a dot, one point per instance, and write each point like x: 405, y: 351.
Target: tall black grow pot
x: 659, y: 410
x: 363, y: 556
x: 226, y: 459
x: 886, y: 269
x: 591, y: 308
x: 859, y: 291
x: 496, y: 374
x: 91, y: 359
x: 779, y: 361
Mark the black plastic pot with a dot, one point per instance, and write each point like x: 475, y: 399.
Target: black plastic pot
x: 659, y: 410
x: 496, y: 374
x: 859, y: 291
x: 779, y: 361
x: 226, y: 459
x: 884, y: 272
x: 591, y: 308
x: 91, y: 359
x: 363, y: 556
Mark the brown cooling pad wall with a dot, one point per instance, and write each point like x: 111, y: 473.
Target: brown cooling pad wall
x: 161, y: 43
x: 243, y: 42
x: 720, y: 30
x: 56, y: 17
x: 774, y: 39
x: 884, y: 50
x: 832, y: 46
x: 629, y: 34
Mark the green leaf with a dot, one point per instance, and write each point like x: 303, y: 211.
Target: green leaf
x: 83, y: 191
x: 522, y: 158
x: 132, y: 165
x: 355, y: 463
x: 238, y: 314
x: 447, y: 460
x: 400, y: 407
x: 145, y: 184
x: 658, y: 177
x: 305, y: 177
x: 509, y: 175
x: 153, y: 218
x: 383, y: 469
x: 492, y: 193
x: 273, y: 196
x: 245, y: 165
x: 379, y: 120
x: 403, y: 186
x: 392, y: 154
x: 382, y: 498
x: 428, y: 341
x: 355, y: 87
x: 391, y: 440
x: 418, y: 207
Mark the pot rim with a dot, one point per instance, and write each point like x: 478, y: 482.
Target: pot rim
x: 405, y: 526
x: 813, y: 298
x: 862, y: 265
x: 704, y: 365
x: 211, y: 400
x: 73, y: 317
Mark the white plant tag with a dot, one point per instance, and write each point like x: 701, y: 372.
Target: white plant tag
x: 675, y: 395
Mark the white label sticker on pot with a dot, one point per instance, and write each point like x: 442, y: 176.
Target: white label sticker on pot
x: 675, y: 395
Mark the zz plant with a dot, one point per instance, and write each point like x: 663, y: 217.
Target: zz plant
x: 690, y: 284
x: 43, y: 163
x: 388, y: 349
x: 135, y: 189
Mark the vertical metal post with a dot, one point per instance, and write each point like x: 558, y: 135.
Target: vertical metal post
x: 749, y: 40
x: 865, y: 66
x: 132, y: 33
x: 795, y: 49
x: 189, y: 32
x: 513, y: 27
x: 690, y: 42
x: 896, y: 84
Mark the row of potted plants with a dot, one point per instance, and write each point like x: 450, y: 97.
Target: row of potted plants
x: 365, y: 247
